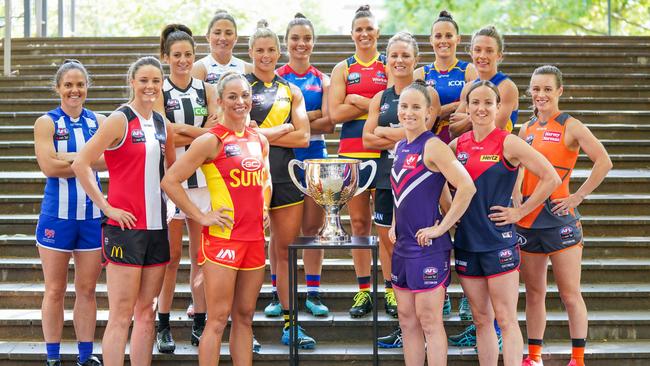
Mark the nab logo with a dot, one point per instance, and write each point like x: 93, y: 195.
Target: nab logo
x: 251, y: 164
x: 430, y: 274
x: 172, y: 105
x: 354, y: 78
x: 137, y: 136
x: 462, y: 157
x: 566, y: 232
x: 226, y: 255
x: 410, y: 161
x: 117, y: 252
x: 490, y: 158
x: 212, y: 78
x: 61, y: 133
x: 232, y: 150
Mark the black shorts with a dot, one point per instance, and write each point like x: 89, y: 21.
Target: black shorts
x: 285, y: 195
x: 364, y: 174
x: 487, y: 264
x: 549, y: 241
x: 383, y: 215
x: 135, y: 248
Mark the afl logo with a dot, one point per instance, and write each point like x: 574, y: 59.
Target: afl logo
x: 137, y: 135
x: 61, y: 133
x: 529, y: 139
x: 566, y: 232
x: 212, y: 77
x: 172, y: 105
x: 462, y: 157
x: 354, y: 78
x: 232, y: 150
x: 505, y: 253
x: 430, y: 274
x: 257, y: 98
x: 251, y: 164
x: 384, y: 107
x: 431, y: 83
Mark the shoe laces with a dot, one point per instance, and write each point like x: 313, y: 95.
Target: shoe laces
x: 166, y: 335
x: 361, y: 298
x: 315, y: 299
x: 464, y: 304
x: 470, y: 331
x: 390, y: 298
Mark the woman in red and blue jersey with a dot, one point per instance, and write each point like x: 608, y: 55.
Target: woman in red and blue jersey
x: 447, y: 74
x: 485, y: 245
x: 355, y: 81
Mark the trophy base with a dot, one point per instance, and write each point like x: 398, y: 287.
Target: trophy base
x: 333, y: 239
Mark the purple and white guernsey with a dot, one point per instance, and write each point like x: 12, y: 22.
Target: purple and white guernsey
x: 416, y: 194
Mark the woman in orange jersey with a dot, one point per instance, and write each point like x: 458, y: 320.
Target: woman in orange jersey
x: 234, y: 159
x: 355, y: 81
x: 553, y: 229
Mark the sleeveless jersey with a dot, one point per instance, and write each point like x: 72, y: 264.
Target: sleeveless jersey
x: 272, y: 107
x: 186, y: 106
x: 311, y: 86
x: 214, y: 69
x: 449, y: 85
x: 235, y: 180
x: 387, y: 118
x: 135, y: 168
x: 63, y: 197
x: 365, y: 79
x: 514, y: 115
x: 548, y: 139
x: 416, y: 194
x: 494, y: 179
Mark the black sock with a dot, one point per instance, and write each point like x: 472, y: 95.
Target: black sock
x: 578, y: 342
x: 163, y: 321
x: 388, y: 284
x: 199, y: 320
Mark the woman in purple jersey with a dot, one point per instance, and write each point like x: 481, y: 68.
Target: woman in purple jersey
x: 420, y: 263
x: 58, y: 235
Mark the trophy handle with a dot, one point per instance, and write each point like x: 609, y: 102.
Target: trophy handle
x: 292, y: 174
x: 373, y: 171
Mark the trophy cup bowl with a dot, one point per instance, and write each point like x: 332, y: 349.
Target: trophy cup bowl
x: 332, y: 183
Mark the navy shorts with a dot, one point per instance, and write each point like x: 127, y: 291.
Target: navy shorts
x: 285, y: 195
x: 135, y: 248
x: 487, y: 264
x: 68, y: 235
x: 550, y: 240
x: 420, y: 274
x: 383, y: 215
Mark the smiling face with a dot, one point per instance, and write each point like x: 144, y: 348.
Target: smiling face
x: 300, y: 42
x: 485, y: 54
x: 222, y: 37
x: 365, y: 33
x: 482, y: 106
x: 147, y: 84
x: 180, y: 58
x: 265, y: 54
x: 444, y: 39
x: 412, y: 110
x: 401, y: 59
x: 545, y: 93
x: 72, y: 88
x: 235, y: 100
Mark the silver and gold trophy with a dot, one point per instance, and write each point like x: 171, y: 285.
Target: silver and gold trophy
x: 332, y: 183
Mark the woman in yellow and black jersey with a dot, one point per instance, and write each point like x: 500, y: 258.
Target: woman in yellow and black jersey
x: 279, y: 112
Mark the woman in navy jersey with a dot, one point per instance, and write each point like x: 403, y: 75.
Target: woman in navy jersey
x: 314, y: 85
x: 137, y: 145
x: 69, y: 224
x: 355, y: 81
x: 485, y: 244
x: 486, y: 50
x: 189, y: 104
x: 420, y: 263
x: 447, y: 73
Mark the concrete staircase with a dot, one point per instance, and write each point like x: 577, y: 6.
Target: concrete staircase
x: 606, y: 86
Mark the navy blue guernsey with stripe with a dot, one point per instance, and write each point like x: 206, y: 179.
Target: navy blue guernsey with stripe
x: 387, y: 118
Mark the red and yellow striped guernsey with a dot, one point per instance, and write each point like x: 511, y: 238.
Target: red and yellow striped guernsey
x: 235, y: 179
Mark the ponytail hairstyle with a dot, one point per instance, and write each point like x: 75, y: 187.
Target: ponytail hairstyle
x: 221, y: 14
x: 362, y: 12
x: 548, y: 70
x: 299, y: 19
x: 405, y: 37
x: 490, y: 31
x: 173, y: 33
x: 227, y: 77
x: 133, y: 69
x: 420, y: 86
x: 481, y: 83
x: 445, y: 16
x: 263, y: 31
x: 67, y: 65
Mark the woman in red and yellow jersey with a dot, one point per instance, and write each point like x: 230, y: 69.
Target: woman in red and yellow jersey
x: 553, y: 229
x: 234, y: 159
x: 355, y: 81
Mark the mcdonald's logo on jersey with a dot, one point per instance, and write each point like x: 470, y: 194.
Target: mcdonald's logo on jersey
x: 117, y: 252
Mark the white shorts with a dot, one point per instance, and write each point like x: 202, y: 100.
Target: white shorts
x: 199, y: 196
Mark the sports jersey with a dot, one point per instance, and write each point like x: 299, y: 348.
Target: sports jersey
x: 235, y: 179
x: 272, y: 107
x: 311, y: 86
x: 416, y: 192
x: 494, y: 179
x: 366, y: 80
x: 387, y: 118
x: 64, y: 198
x: 514, y: 115
x: 449, y: 85
x: 548, y: 138
x: 214, y: 70
x: 186, y: 106
x: 136, y: 167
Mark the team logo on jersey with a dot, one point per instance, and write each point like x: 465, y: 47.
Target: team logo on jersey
x: 453, y: 83
x: 137, y: 136
x: 200, y: 101
x: 430, y: 274
x: 61, y: 133
x: 521, y: 240
x: 232, y: 150
x: 226, y: 255
x: 49, y: 233
x: 172, y: 105
x: 529, y: 139
x: 566, y: 232
x: 410, y: 161
x: 490, y: 158
x: 462, y: 157
x: 506, y: 256
x: 251, y: 164
x: 552, y: 136
x: 354, y: 78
